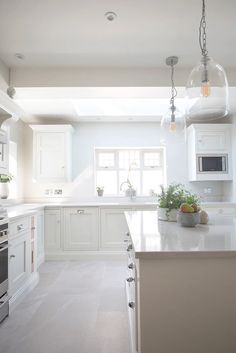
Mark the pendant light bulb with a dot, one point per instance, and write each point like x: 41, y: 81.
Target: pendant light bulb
x: 205, y: 89
x: 173, y: 126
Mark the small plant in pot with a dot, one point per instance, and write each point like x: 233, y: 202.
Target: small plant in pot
x: 100, y: 190
x: 4, y: 180
x: 170, y: 200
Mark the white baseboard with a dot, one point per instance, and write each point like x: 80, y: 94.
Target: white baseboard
x: 85, y: 255
x: 40, y: 260
x: 23, y: 291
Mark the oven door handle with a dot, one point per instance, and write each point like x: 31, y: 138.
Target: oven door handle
x: 4, y: 248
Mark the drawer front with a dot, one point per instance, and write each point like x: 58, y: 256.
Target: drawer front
x: 19, y: 226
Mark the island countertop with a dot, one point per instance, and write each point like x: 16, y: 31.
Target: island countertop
x: 152, y: 238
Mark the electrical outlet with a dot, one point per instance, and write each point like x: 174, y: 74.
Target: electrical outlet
x: 48, y: 192
x: 57, y: 191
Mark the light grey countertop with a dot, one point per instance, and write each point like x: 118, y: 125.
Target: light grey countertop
x: 159, y: 239
x: 22, y: 209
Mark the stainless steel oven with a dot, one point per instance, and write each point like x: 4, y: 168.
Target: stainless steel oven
x: 4, y: 299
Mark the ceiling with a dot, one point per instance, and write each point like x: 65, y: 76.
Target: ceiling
x: 75, y: 33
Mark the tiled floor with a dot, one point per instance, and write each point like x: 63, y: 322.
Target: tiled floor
x: 78, y: 307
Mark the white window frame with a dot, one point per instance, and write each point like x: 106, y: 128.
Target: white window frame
x: 141, y: 168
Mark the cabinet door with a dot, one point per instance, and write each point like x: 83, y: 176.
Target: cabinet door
x: 113, y: 229
x: 212, y: 141
x: 40, y: 237
x: 19, y: 262
x: 50, y: 155
x: 52, y: 229
x: 81, y: 229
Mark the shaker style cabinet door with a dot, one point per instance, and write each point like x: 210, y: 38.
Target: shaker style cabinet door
x: 81, y: 228
x: 113, y: 229
x: 50, y: 163
x: 52, y: 152
x: 52, y: 230
x: 19, y: 262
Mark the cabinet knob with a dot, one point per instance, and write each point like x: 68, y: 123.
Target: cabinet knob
x: 131, y: 266
x: 33, y: 228
x: 80, y: 211
x: 130, y: 279
x: 12, y: 256
x: 126, y: 241
x: 127, y: 234
x: 131, y: 305
x: 129, y: 247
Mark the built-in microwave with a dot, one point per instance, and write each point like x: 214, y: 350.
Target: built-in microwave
x: 212, y: 163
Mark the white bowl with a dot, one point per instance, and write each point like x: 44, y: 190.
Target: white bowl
x: 188, y: 219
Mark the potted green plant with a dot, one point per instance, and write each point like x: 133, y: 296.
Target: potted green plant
x: 170, y: 200
x: 4, y: 190
x: 100, y: 190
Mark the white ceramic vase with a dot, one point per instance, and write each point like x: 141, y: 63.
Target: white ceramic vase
x: 4, y: 190
x: 165, y: 215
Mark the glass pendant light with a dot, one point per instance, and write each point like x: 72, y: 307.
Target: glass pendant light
x: 207, y: 86
x: 173, y: 122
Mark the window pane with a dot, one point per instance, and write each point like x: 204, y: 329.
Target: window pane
x: 107, y: 179
x: 129, y: 159
x: 106, y: 159
x: 134, y: 178
x: 152, y: 159
x: 152, y: 179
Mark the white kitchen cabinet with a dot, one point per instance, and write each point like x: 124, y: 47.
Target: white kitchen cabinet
x: 113, y: 228
x: 209, y: 140
x: 52, y: 230
x: 52, y: 152
x: 19, y: 262
x: 4, y: 152
x: 40, y: 238
x: 81, y: 228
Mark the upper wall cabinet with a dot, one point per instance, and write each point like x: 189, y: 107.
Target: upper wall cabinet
x: 209, y: 152
x: 52, y: 152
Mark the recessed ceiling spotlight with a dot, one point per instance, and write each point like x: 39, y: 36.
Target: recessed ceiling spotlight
x: 110, y: 16
x: 19, y: 56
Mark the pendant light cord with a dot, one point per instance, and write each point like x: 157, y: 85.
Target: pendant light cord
x: 202, y: 31
x: 173, y: 89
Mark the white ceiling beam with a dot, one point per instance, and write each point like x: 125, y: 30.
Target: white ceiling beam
x: 102, y: 77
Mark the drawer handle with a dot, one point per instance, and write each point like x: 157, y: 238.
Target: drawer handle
x: 80, y: 211
x: 129, y: 247
x: 131, y: 266
x: 131, y: 305
x: 12, y: 256
x: 20, y: 227
x: 126, y: 240
x: 130, y: 279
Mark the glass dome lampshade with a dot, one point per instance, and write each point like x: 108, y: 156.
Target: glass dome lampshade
x: 173, y: 127
x: 206, y: 92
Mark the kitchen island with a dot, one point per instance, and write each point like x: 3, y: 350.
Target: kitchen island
x: 181, y: 285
